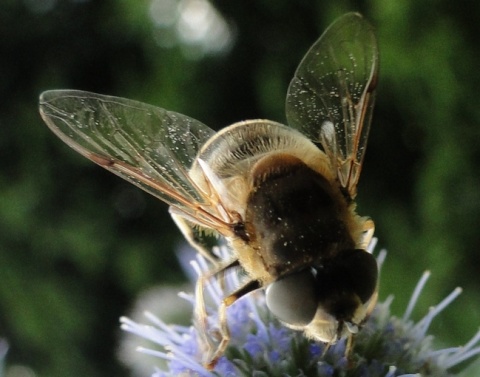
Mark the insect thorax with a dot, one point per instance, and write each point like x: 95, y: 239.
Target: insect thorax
x: 296, y: 215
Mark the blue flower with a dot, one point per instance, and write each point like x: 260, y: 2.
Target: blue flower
x: 260, y: 345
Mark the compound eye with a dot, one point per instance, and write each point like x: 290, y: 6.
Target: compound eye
x: 293, y: 299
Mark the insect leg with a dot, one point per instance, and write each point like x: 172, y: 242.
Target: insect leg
x: 371, y: 305
x: 368, y: 231
x: 349, y: 348
x: 248, y: 287
x: 200, y: 311
x: 192, y: 234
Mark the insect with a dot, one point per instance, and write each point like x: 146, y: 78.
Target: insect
x: 281, y: 196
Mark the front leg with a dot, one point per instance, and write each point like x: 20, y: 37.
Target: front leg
x: 215, y: 348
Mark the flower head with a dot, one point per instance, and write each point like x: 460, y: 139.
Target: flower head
x: 260, y: 345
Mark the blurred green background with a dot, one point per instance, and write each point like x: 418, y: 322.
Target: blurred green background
x: 77, y: 244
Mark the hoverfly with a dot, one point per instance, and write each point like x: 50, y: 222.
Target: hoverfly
x: 281, y: 196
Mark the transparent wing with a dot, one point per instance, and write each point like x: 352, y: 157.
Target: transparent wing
x: 330, y: 99
x: 148, y: 146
